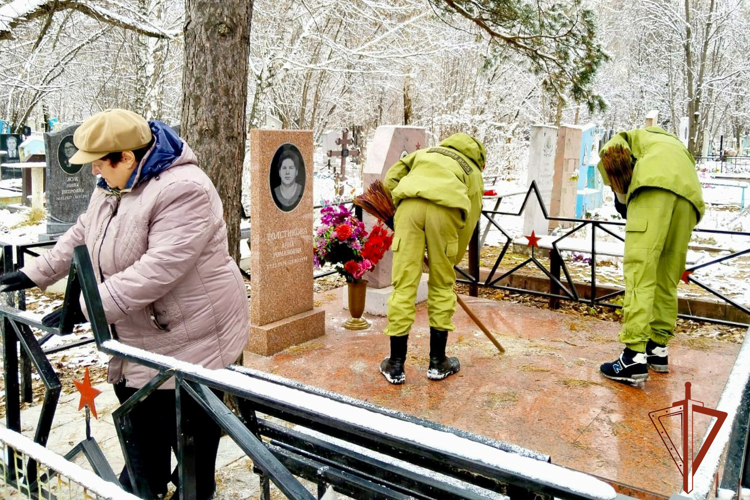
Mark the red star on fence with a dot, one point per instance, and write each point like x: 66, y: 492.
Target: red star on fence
x: 685, y: 275
x: 533, y: 240
x: 88, y: 393
x: 419, y: 146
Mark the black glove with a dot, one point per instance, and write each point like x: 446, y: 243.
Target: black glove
x: 621, y: 208
x: 53, y: 319
x: 16, y: 281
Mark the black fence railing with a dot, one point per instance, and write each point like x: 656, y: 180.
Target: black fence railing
x: 724, y: 164
x: 565, y: 288
x: 281, y: 452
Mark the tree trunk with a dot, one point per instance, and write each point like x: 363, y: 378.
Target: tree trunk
x: 407, y: 100
x: 214, y: 97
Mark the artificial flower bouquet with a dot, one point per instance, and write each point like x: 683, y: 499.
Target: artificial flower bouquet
x: 342, y: 241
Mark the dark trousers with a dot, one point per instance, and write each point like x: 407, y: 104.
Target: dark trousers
x: 154, y: 424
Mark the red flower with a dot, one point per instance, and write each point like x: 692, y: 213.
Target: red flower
x: 343, y: 232
x: 377, y: 244
x: 351, y: 267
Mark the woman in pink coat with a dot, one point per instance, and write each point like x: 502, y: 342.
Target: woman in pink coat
x: 158, y: 243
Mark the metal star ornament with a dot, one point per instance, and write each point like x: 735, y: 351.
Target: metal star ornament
x: 685, y: 275
x: 533, y: 240
x: 88, y: 393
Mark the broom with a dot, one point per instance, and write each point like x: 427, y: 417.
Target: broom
x: 618, y: 166
x: 377, y: 202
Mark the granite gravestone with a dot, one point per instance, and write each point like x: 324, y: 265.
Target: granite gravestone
x: 541, y: 169
x: 69, y: 186
x: 9, y: 144
x: 390, y: 144
x: 565, y: 180
x: 281, y: 266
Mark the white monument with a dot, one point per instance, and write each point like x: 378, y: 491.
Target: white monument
x: 390, y: 144
x: 541, y: 169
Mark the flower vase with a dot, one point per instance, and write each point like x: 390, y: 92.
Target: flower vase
x: 357, y: 295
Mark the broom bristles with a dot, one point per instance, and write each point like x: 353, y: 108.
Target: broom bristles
x: 618, y: 165
x: 377, y: 201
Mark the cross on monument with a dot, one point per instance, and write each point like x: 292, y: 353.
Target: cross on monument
x: 344, y: 141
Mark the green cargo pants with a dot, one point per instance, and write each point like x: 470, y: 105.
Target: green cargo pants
x: 657, y: 233
x: 419, y: 223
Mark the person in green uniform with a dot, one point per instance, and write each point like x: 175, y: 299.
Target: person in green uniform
x: 657, y: 189
x: 438, y: 197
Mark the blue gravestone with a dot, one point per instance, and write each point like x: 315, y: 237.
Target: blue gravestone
x: 590, y: 184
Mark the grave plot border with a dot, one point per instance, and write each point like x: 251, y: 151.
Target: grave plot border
x: 566, y: 289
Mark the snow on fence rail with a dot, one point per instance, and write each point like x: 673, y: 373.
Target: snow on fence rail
x: 59, y: 478
x: 445, y: 443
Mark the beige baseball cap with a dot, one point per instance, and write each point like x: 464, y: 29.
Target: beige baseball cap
x: 110, y: 131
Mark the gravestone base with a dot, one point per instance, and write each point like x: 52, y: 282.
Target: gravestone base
x: 277, y: 336
x: 376, y: 302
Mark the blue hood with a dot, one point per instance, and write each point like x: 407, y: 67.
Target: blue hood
x: 167, y: 148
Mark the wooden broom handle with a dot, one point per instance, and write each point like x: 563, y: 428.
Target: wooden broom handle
x: 474, y: 318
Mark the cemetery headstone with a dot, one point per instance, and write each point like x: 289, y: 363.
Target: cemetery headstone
x: 281, y: 266
x: 565, y: 178
x: 69, y: 186
x: 9, y: 144
x: 652, y: 118
x: 390, y: 144
x: 541, y: 169
x: 344, y: 142
x: 590, y: 186
x: 328, y: 139
x: 685, y: 130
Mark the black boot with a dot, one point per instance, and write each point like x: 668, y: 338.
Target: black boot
x: 440, y: 365
x: 392, y: 367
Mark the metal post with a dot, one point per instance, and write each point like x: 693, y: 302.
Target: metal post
x: 265, y: 487
x: 26, y: 381
x: 185, y: 446
x: 593, y: 264
x: 10, y: 374
x: 554, y: 267
x: 474, y: 262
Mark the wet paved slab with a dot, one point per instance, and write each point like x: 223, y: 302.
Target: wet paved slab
x: 545, y: 393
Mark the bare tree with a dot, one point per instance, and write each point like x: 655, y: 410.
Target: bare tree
x: 214, y: 97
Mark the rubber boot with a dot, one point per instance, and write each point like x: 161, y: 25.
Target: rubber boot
x: 440, y: 365
x: 392, y: 367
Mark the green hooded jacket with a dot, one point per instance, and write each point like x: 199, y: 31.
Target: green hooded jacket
x: 449, y: 175
x: 662, y: 161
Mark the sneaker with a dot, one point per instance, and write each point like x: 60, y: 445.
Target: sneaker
x: 631, y: 367
x: 441, y: 366
x: 657, y: 357
x: 392, y: 367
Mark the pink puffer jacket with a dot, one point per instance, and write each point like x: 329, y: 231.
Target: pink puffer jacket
x: 167, y: 282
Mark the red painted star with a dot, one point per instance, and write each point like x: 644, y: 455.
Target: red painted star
x: 685, y: 275
x: 88, y: 393
x: 419, y: 146
x: 533, y: 239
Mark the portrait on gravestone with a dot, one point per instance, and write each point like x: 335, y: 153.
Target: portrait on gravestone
x: 64, y: 152
x: 287, y: 177
x: 10, y: 146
